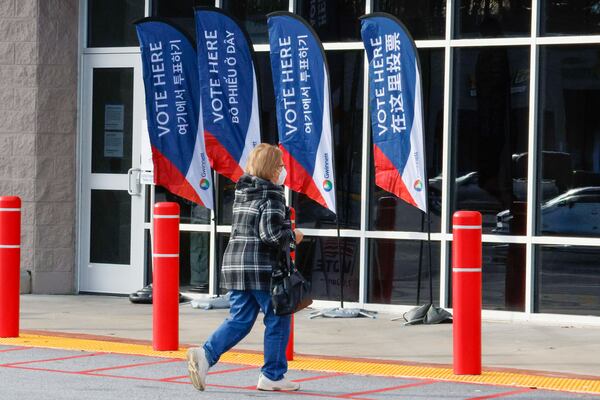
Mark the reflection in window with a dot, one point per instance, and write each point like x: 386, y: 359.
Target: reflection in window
x: 110, y: 22
x: 569, y: 132
x: 394, y: 268
x: 112, y: 110
x: 559, y: 17
x: 333, y: 20
x: 225, y: 198
x: 490, y: 125
x: 318, y: 261
x: 190, y: 212
x: 387, y: 212
x: 222, y: 241
x: 181, y: 12
x: 268, y: 121
x: 346, y: 75
x: 425, y: 19
x: 567, y: 280
x: 193, y: 261
x: 492, y: 18
x: 503, y: 276
x: 253, y: 15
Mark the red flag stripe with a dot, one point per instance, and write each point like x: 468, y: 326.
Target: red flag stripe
x: 220, y: 159
x: 388, y: 177
x: 167, y: 175
x: 299, y: 180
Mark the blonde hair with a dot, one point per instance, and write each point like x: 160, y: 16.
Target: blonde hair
x: 263, y: 161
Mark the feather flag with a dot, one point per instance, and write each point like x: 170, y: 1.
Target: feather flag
x: 171, y: 84
x: 301, y: 83
x: 229, y: 91
x: 395, y: 101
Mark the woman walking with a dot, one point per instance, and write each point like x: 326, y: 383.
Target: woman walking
x: 260, y: 226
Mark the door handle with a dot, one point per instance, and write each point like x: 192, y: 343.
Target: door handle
x: 136, y: 189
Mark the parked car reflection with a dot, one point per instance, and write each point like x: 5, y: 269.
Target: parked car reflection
x: 576, y: 211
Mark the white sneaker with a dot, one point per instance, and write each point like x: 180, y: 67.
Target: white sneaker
x: 198, y: 367
x: 284, y: 384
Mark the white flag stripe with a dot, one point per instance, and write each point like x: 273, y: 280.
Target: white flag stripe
x: 414, y: 169
x: 325, y: 146
x: 197, y: 169
x: 253, y: 134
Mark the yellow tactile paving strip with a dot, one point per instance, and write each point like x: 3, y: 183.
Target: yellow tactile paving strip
x: 320, y: 364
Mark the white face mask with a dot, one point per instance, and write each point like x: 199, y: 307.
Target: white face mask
x: 282, y: 176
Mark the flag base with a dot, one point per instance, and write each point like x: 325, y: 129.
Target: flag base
x: 427, y: 314
x: 144, y: 296
x: 213, y: 303
x: 342, y: 313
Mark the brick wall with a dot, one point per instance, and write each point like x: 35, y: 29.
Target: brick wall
x: 38, y: 113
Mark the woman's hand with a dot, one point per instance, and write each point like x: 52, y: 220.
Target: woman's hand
x: 299, y: 235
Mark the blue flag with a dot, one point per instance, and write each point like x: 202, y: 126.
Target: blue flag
x: 172, y: 90
x: 229, y: 91
x: 395, y: 100
x: 301, y: 84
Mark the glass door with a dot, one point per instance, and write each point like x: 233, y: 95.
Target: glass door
x: 112, y: 202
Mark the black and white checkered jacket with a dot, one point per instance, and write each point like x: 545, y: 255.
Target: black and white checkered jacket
x: 259, y: 223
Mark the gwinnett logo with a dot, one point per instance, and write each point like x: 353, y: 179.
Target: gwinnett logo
x: 327, y: 185
x: 204, y: 183
x: 418, y: 185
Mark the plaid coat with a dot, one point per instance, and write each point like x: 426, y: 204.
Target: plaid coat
x: 260, y: 221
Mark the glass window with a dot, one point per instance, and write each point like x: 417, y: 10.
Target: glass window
x: 268, y: 114
x: 190, y: 212
x: 567, y: 280
x: 253, y: 15
x: 110, y: 227
x: 561, y: 17
x: 395, y: 267
x: 389, y: 212
x: 222, y: 241
x: 425, y: 19
x: 318, y: 261
x: 181, y: 12
x: 112, y: 119
x: 110, y: 22
x: 333, y: 20
x: 503, y: 276
x: 268, y: 120
x: 569, y: 131
x: 490, y: 130
x: 225, y: 199
x: 492, y: 18
x: 346, y: 75
x: 193, y: 261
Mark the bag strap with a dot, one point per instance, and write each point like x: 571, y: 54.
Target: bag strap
x: 284, y: 255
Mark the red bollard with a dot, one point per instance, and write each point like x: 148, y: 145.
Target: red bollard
x: 289, y: 350
x: 466, y: 292
x: 10, y: 264
x: 165, y: 281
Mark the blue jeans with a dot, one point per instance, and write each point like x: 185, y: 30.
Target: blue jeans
x: 245, y: 305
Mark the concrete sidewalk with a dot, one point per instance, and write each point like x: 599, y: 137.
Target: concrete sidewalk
x: 527, y: 346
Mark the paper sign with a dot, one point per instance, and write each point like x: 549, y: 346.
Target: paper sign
x: 114, y: 116
x: 113, y: 144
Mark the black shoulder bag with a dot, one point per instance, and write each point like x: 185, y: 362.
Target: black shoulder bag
x: 290, y: 292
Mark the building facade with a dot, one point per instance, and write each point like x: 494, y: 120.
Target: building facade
x: 511, y: 125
